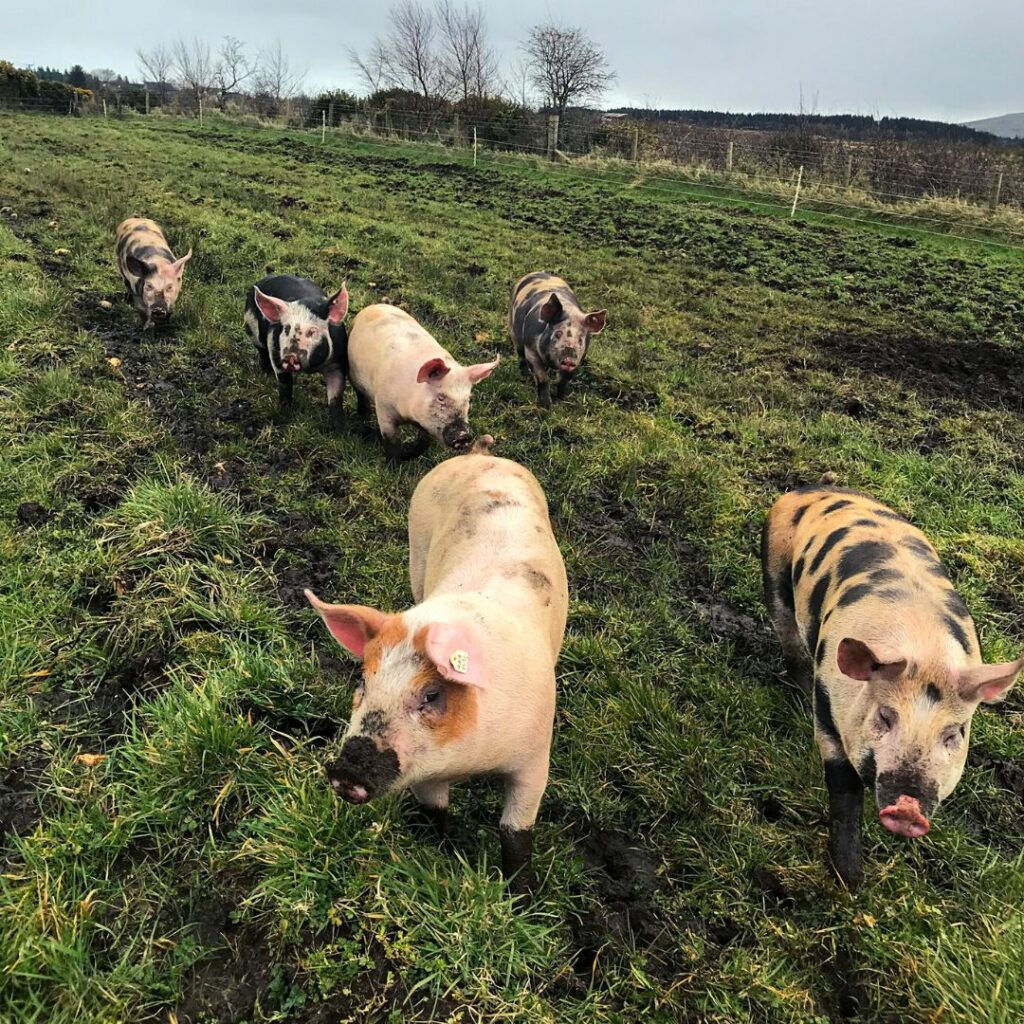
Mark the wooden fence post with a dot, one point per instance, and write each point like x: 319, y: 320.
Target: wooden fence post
x: 996, y: 191
x: 104, y: 109
x: 848, y: 174
x: 552, y: 136
x: 636, y: 145
x: 147, y: 102
x: 474, y: 145
x: 728, y: 157
x: 200, y: 111
x: 323, y: 127
x: 796, y: 195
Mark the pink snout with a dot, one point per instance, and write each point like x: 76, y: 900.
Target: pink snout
x: 568, y: 365
x: 905, y: 818
x: 350, y: 792
x: 290, y: 362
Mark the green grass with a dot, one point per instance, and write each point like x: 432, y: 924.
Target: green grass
x: 151, y: 611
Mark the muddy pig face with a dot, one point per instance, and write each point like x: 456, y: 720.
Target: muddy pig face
x: 442, y: 399
x: 418, y: 697
x: 302, y: 340
x: 567, y: 337
x: 158, y: 286
x: 914, y: 728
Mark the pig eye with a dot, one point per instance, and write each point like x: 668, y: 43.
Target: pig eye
x: 886, y: 718
x: 953, y: 736
x: 287, y: 328
x: 430, y: 698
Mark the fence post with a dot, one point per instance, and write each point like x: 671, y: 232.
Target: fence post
x: 71, y: 105
x: 552, y: 135
x: 848, y: 174
x: 796, y: 195
x: 474, y: 145
x: 323, y: 127
x: 147, y: 102
x: 636, y: 145
x: 104, y: 109
x: 200, y: 111
x: 728, y: 157
x: 996, y: 191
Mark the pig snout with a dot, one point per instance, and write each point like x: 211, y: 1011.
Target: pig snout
x: 905, y: 817
x: 290, y: 362
x: 456, y: 435
x: 361, y: 771
x: 160, y: 312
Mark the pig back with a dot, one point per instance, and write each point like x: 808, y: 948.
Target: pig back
x: 479, y: 524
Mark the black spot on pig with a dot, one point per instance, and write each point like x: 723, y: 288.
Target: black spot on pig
x: 814, y: 606
x: 827, y: 545
x: 854, y: 594
x: 823, y: 712
x: 374, y: 724
x: 836, y: 505
x: 958, y: 633
x: 933, y: 693
x: 863, y: 557
x: 866, y: 770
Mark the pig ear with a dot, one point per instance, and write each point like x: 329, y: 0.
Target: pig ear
x: 352, y: 625
x: 432, y: 370
x: 137, y: 267
x: 551, y: 310
x: 455, y: 653
x: 478, y: 371
x: 179, y: 265
x: 859, y: 661
x: 273, y: 309
x: 594, y: 322
x: 338, y: 306
x: 988, y: 682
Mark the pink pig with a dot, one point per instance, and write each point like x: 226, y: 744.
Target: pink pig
x: 463, y: 683
x: 395, y: 363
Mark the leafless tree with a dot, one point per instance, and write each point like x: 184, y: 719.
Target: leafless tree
x: 566, y: 66
x: 466, y: 58
x: 232, y: 69
x: 156, y: 64
x: 408, y: 56
x: 274, y: 75
x: 193, y: 67
x: 516, y: 85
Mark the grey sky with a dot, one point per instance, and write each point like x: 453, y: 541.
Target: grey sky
x: 947, y: 59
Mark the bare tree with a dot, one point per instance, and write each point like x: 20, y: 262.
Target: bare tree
x: 232, y: 69
x: 517, y: 85
x: 193, y: 67
x: 156, y: 64
x: 407, y: 57
x: 467, y: 59
x: 275, y: 77
x: 565, y: 66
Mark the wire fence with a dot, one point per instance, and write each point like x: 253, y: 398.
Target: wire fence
x: 950, y: 189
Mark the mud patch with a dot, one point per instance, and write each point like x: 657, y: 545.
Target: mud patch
x: 19, y: 803
x: 31, y: 513
x: 980, y: 374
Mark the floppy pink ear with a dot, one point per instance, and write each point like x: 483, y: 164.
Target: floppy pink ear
x: 858, y: 661
x: 478, y: 371
x: 352, y: 625
x: 179, y: 265
x: 339, y: 307
x: 595, y: 321
x: 432, y: 370
x: 988, y: 682
x: 455, y: 653
x: 273, y: 309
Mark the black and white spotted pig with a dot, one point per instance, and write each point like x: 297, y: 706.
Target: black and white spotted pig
x: 550, y: 331
x: 296, y: 328
x: 864, y: 608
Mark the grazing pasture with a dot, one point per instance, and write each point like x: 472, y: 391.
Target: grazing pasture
x: 170, y: 849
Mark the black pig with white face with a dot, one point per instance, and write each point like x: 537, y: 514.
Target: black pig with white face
x: 296, y: 329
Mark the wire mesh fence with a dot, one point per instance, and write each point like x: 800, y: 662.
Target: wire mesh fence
x: 948, y: 188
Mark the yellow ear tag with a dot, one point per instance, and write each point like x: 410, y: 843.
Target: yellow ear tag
x: 460, y: 661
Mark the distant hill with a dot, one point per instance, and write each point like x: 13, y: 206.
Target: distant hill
x: 850, y: 126
x: 1009, y: 126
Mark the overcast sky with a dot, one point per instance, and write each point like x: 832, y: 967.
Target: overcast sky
x: 947, y: 59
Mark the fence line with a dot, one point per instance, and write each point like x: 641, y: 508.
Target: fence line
x: 862, y: 204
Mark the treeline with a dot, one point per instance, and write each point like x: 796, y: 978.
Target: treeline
x: 848, y: 126
x: 21, y: 86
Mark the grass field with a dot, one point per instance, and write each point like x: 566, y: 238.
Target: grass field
x: 170, y: 850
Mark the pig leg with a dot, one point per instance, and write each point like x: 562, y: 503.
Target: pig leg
x: 285, y: 384
x: 399, y: 451
x: 564, y: 379
x: 265, y: 366
x: 334, y: 378
x: 523, y: 792
x: 540, y: 378
x: 433, y: 801
x: 845, y: 800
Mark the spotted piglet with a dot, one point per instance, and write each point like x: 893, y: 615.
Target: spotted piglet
x: 399, y: 366
x: 865, y: 610
x: 550, y: 331
x: 151, y: 274
x: 296, y: 328
x: 463, y: 683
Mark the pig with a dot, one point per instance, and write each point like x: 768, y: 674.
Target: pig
x: 296, y: 328
x: 151, y: 274
x: 550, y: 331
x: 463, y: 683
x: 866, y: 613
x: 395, y: 363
